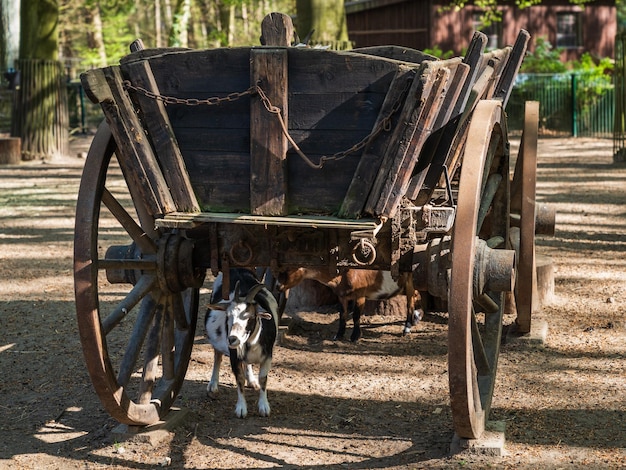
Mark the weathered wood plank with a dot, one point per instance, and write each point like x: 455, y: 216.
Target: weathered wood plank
x: 432, y: 145
x: 204, y: 72
x: 507, y: 78
x: 157, y: 123
x: 318, y: 71
x: 371, y: 159
x: 418, y: 116
x: 217, y: 180
x: 318, y: 190
x: 309, y: 221
x: 135, y: 156
x: 404, y: 54
x: 268, y: 143
x: 276, y: 30
x: 422, y: 185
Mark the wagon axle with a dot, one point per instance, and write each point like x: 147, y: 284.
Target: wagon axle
x: 494, y: 269
x: 173, y: 263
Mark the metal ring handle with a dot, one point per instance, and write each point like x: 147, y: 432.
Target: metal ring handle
x: 364, y: 248
x: 244, y: 262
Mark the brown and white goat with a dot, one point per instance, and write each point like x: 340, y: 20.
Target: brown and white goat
x: 357, y: 286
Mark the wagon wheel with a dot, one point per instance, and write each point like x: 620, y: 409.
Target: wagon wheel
x: 523, y: 191
x: 136, y: 335
x: 475, y: 324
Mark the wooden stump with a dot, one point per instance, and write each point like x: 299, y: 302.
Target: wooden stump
x: 545, y: 280
x: 310, y: 294
x: 10, y: 150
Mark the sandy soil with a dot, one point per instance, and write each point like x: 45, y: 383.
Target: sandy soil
x: 382, y: 403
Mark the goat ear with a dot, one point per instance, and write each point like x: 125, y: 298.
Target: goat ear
x: 265, y: 315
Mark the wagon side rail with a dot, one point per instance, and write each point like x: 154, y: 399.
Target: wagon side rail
x: 493, y: 77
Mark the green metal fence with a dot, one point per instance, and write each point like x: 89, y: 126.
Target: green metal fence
x: 619, y: 128
x: 571, y: 104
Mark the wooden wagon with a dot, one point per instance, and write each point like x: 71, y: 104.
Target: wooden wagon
x: 276, y: 156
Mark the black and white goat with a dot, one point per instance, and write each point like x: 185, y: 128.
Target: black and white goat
x: 358, y: 285
x: 244, y: 327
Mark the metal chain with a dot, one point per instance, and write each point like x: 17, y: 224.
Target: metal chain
x: 383, y: 125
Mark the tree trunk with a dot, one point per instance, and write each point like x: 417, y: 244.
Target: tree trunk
x: 327, y: 18
x: 41, y: 119
x: 10, y: 40
x: 180, y: 21
x: 40, y: 116
x: 95, y: 39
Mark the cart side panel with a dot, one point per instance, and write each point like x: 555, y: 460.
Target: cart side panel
x: 333, y: 101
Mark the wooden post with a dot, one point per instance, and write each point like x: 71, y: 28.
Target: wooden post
x: 10, y: 150
x: 268, y: 143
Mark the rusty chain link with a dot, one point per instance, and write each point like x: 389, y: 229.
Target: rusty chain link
x: 383, y: 125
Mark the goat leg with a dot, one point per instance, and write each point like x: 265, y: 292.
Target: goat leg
x: 215, y: 375
x: 343, y: 318
x: 359, y: 305
x: 251, y: 379
x: 264, y: 404
x: 238, y: 366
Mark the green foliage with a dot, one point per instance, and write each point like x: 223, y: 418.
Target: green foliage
x: 123, y: 21
x: 490, y: 10
x: 543, y: 59
x: 546, y: 79
x: 437, y: 52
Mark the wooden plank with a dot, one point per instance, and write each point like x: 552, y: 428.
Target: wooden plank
x: 134, y: 154
x: 404, y: 54
x: 427, y: 158
x: 165, y: 145
x: 268, y: 143
x: 320, y: 71
x: 187, y: 220
x: 372, y: 156
x: 216, y: 177
x: 319, y: 191
x: 418, y: 116
x: 507, y: 79
x: 423, y: 183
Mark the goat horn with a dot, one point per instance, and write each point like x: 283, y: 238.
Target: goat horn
x: 253, y: 292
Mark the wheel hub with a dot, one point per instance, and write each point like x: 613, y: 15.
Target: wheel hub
x: 173, y: 263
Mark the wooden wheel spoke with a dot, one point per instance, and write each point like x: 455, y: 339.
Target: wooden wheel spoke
x: 179, y: 313
x: 139, y: 236
x: 168, y: 348
x: 139, y: 291
x: 151, y: 352
x: 491, y: 188
x: 480, y: 355
x: 140, y: 329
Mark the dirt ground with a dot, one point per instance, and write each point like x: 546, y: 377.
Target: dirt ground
x: 382, y: 403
